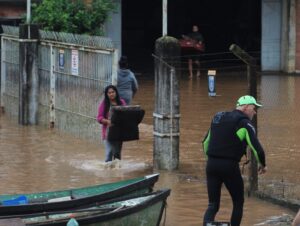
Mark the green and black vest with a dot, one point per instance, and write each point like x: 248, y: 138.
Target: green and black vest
x: 224, y: 142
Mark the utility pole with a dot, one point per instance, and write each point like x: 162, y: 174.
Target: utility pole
x: 165, y: 17
x: 28, y: 15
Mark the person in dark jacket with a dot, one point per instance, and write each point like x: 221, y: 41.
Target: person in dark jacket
x: 224, y: 145
x: 193, y: 54
x: 127, y: 84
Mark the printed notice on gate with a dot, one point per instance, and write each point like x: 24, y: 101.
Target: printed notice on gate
x: 74, y: 62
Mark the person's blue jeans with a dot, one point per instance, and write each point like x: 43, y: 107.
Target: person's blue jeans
x: 112, y: 150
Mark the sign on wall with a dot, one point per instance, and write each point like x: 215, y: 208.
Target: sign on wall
x: 74, y: 62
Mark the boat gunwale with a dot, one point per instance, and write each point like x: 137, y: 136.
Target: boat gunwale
x: 146, y: 182
x: 159, y: 195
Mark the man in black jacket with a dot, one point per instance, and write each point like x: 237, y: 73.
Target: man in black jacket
x: 224, y: 145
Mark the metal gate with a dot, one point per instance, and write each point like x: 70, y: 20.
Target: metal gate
x: 73, y: 71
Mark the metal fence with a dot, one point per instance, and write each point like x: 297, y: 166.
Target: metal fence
x: 10, y: 70
x: 73, y: 71
x: 278, y: 121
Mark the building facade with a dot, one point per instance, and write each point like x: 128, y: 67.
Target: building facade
x: 280, y: 30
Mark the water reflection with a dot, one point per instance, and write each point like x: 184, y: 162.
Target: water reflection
x: 38, y: 159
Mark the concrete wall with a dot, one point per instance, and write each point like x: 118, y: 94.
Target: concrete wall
x: 290, y: 45
x: 280, y: 36
x: 271, y: 35
x: 297, y: 66
x: 113, y: 28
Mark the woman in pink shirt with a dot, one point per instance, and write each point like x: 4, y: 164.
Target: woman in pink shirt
x: 111, y: 98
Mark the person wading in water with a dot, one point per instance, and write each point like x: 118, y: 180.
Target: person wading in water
x: 224, y: 145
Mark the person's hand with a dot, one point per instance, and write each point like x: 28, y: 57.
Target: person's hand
x: 262, y: 169
x: 108, y: 122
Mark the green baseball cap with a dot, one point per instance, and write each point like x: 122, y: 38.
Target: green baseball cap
x: 247, y: 100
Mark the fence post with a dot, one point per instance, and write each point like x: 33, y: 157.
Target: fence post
x: 252, y: 86
x: 3, y: 75
x: 252, y: 90
x: 166, y: 111
x: 29, y: 83
x: 115, y: 61
x: 52, y: 88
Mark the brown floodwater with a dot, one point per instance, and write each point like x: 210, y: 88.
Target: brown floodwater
x: 35, y: 158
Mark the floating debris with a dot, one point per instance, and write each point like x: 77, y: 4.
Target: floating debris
x: 284, y: 220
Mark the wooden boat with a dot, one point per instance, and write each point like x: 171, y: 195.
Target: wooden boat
x: 73, y: 198
x: 144, y: 209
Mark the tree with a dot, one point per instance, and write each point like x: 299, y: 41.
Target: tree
x: 73, y: 16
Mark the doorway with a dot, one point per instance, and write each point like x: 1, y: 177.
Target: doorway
x: 221, y: 23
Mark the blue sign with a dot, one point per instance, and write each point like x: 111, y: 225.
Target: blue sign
x: 211, y: 83
x: 61, y: 59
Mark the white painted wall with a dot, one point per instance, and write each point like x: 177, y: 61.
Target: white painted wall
x: 271, y: 35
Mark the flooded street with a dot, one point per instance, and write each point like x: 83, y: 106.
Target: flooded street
x: 39, y: 159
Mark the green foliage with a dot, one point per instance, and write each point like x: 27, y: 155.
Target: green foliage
x: 73, y: 16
